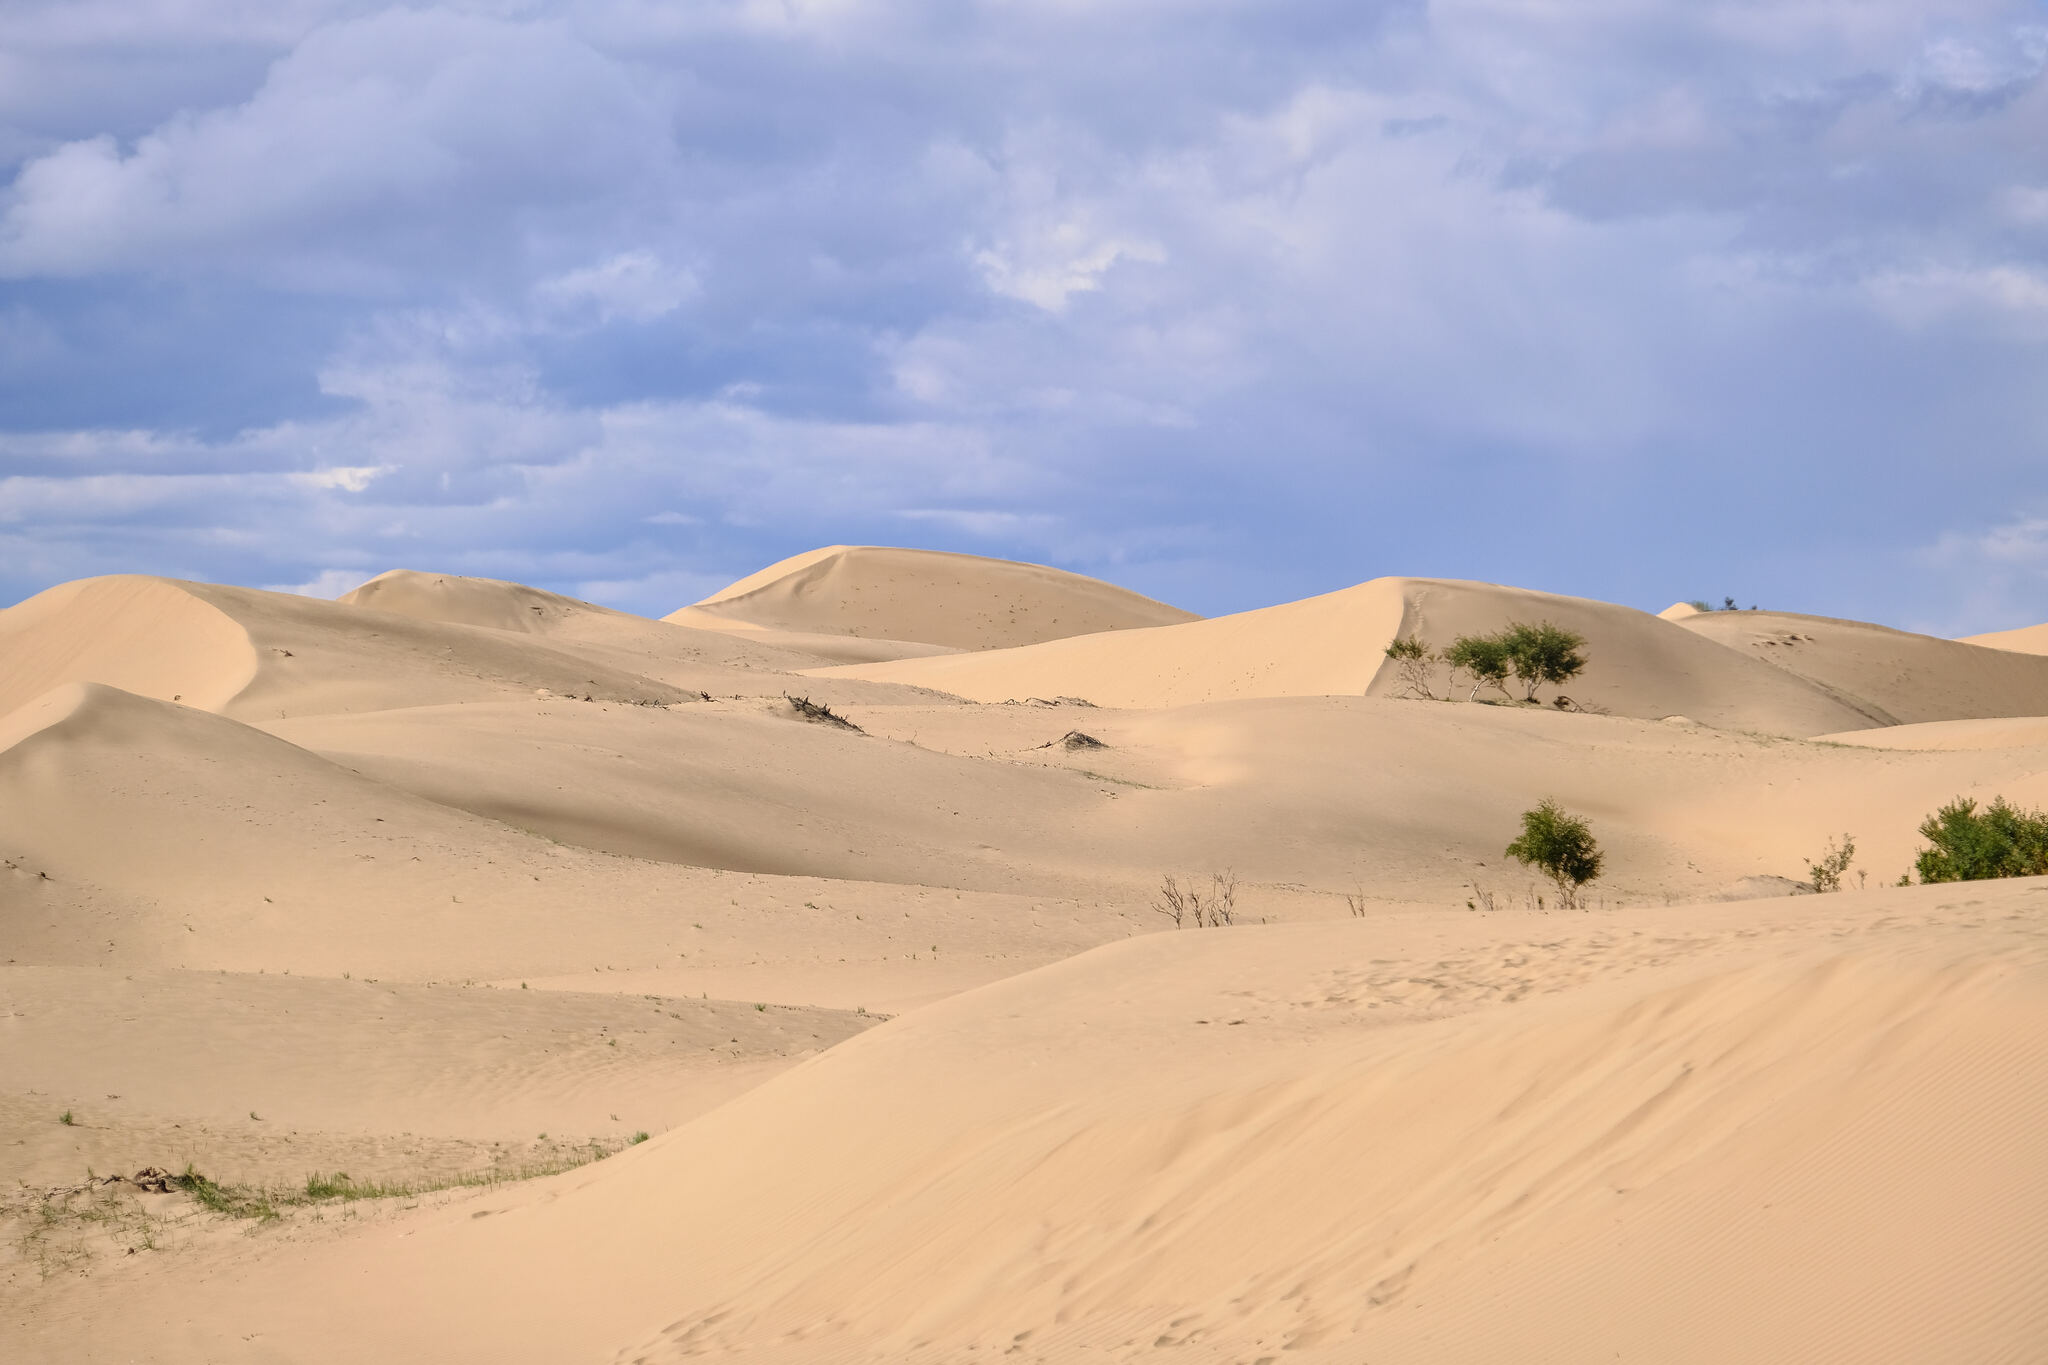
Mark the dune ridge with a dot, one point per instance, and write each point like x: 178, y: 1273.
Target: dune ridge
x: 2024, y: 640
x: 1336, y: 644
x: 1893, y: 675
x: 926, y: 597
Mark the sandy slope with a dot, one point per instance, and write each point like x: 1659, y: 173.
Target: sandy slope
x: 142, y: 834
x: 1896, y: 676
x: 146, y: 635
x: 278, y: 1075
x: 958, y: 601
x: 1336, y: 644
x: 1733, y: 1135
x: 2025, y: 640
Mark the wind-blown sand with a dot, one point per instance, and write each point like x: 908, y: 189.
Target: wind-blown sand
x: 290, y: 886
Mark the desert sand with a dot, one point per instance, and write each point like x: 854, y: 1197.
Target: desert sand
x: 677, y: 1020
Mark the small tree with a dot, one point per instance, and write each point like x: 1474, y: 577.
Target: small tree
x: 1485, y: 657
x: 1415, y: 665
x: 1827, y: 873
x: 2002, y: 841
x: 1543, y: 653
x: 1561, y: 846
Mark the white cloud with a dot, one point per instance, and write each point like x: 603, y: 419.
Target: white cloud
x: 635, y: 285
x: 349, y: 478
x: 1058, y: 263
x: 393, y: 141
x: 329, y: 583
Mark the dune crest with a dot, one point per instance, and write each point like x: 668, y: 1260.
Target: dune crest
x: 152, y: 636
x: 2025, y: 640
x: 489, y: 602
x: 1336, y: 644
x: 927, y: 597
x: 1894, y: 675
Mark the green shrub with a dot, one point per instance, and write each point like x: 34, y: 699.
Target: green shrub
x: 1534, y: 654
x: 1543, y: 653
x: 1485, y: 657
x: 1561, y: 846
x: 2001, y: 841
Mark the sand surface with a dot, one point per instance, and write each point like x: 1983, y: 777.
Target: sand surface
x: 864, y: 1041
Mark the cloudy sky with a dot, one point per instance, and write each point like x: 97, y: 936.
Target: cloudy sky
x: 1229, y: 302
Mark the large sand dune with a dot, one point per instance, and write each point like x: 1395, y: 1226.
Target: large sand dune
x: 2024, y: 640
x: 1336, y: 644
x: 924, y: 596
x: 1899, y: 677
x: 458, y: 878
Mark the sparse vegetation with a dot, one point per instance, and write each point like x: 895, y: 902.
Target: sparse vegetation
x: 2002, y: 840
x: 1543, y: 653
x: 1561, y: 846
x: 1485, y: 657
x: 1532, y: 654
x: 1827, y: 872
x: 1415, y: 664
x: 820, y: 713
x: 68, y: 1119
x: 1210, y: 907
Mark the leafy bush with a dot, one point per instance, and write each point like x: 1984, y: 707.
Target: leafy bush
x: 1534, y: 654
x: 1543, y: 653
x: 1561, y: 846
x: 2001, y: 841
x: 1485, y: 657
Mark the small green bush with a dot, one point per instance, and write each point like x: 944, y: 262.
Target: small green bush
x: 1561, y: 846
x: 1485, y: 657
x: 2003, y: 840
x: 1543, y: 653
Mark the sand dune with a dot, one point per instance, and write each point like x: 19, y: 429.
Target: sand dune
x: 245, y: 652
x: 291, y: 886
x: 1898, y: 677
x: 1336, y: 644
x: 145, y: 635
x: 2023, y: 732
x: 657, y: 649
x: 139, y: 834
x: 2025, y: 640
x: 488, y: 602
x: 928, y: 597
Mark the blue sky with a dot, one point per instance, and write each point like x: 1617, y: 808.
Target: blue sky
x: 1229, y: 302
